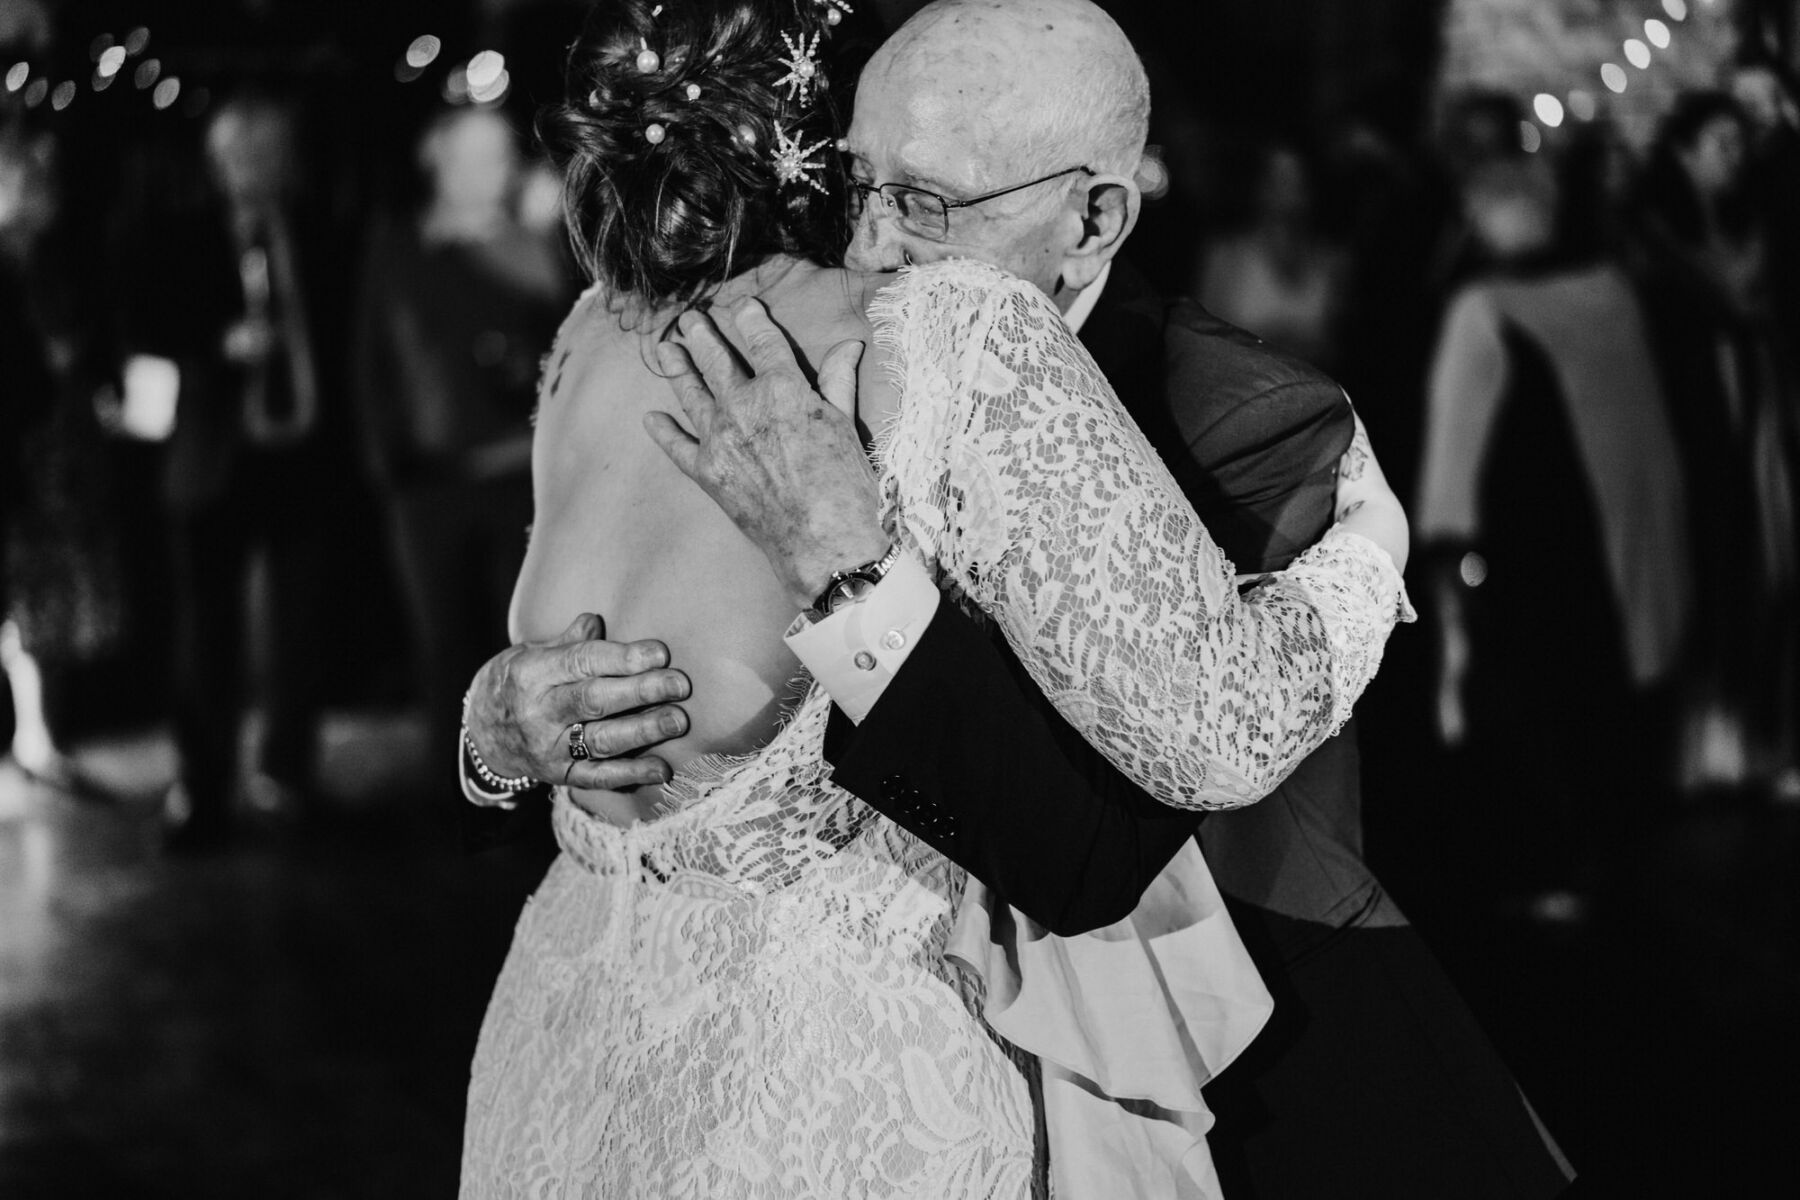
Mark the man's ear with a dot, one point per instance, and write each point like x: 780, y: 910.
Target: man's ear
x: 1109, y: 212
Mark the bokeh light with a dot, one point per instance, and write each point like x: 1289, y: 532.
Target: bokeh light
x: 147, y: 73
x: 423, y: 51
x: 1153, y: 174
x: 1548, y: 108
x: 1473, y: 568
x: 1657, y: 32
x: 99, y: 46
x: 1637, y: 54
x: 102, y: 81
x: 1677, y: 9
x: 166, y: 92
x: 1613, y: 76
x: 1582, y: 106
x: 1530, y: 138
x: 484, y: 70
x: 137, y: 40
x: 35, y: 91
x: 16, y: 75
x: 456, y: 86
x: 63, y: 96
x: 494, y: 92
x: 405, y: 72
x: 111, y: 61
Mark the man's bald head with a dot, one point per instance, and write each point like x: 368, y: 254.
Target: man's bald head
x: 1033, y: 85
x: 1042, y: 102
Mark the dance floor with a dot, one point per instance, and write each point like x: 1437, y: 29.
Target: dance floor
x: 293, y: 1017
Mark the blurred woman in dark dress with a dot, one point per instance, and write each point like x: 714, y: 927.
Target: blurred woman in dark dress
x: 1724, y: 317
x: 459, y: 303
x: 1553, y: 508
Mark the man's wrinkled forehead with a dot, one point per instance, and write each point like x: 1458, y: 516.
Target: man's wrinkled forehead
x: 941, y: 124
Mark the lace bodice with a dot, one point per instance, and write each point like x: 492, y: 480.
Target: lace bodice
x: 1011, y: 465
x: 749, y: 997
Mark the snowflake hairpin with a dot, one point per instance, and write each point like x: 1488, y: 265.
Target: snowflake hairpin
x: 794, y: 163
x: 803, y: 68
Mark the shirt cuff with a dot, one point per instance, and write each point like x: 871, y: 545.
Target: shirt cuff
x: 857, y: 650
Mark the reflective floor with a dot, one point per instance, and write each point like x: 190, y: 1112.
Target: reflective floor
x: 294, y: 1017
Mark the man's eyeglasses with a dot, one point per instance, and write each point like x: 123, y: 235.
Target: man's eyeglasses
x: 927, y: 213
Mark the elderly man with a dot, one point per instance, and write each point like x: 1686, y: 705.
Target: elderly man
x: 1008, y: 133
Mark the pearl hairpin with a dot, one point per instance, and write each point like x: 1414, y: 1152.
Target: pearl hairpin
x: 803, y: 68
x: 793, y: 163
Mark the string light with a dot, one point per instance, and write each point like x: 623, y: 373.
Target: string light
x: 1548, y: 108
x: 63, y: 96
x: 1677, y: 9
x: 1613, y: 76
x: 111, y: 60
x: 1637, y: 54
x: 484, y: 69
x: 16, y: 75
x: 1530, y: 140
x: 35, y: 91
x: 423, y: 51
x: 1657, y: 32
x: 146, y: 73
x: 1582, y: 106
x: 136, y: 41
x: 166, y: 92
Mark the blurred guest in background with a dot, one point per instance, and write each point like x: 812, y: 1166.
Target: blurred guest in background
x: 252, y: 465
x: 458, y: 304
x: 1723, y: 322
x: 60, y: 599
x: 1280, y: 278
x: 1553, y: 508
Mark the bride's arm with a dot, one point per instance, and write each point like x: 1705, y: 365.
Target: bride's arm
x: 1017, y: 470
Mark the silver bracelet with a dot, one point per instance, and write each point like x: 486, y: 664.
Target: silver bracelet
x: 496, y: 787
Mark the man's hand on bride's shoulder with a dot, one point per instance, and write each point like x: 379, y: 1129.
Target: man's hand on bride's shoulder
x: 784, y: 461
x: 526, y: 699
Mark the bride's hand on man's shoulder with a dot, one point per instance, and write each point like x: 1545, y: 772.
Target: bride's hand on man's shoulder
x: 527, y: 699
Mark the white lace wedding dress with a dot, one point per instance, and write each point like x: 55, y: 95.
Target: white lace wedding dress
x: 748, y: 997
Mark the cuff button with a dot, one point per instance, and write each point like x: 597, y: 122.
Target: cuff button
x: 893, y: 639
x: 864, y: 661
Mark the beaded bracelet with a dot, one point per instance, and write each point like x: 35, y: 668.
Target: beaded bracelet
x: 486, y: 787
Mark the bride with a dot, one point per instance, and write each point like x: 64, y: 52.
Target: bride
x: 735, y: 983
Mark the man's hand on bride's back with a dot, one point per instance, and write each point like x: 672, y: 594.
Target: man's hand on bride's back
x: 783, y: 461
x: 526, y: 698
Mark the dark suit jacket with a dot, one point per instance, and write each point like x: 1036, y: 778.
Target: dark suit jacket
x: 964, y: 751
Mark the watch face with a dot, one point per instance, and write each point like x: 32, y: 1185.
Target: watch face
x: 848, y: 590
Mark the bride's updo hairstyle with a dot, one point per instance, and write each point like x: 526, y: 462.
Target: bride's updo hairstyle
x: 669, y: 139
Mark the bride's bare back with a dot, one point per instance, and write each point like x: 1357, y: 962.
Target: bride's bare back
x: 621, y: 532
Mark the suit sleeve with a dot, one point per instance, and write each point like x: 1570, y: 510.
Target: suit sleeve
x: 962, y: 750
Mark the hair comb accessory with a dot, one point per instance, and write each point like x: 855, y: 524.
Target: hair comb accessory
x: 802, y: 66
x: 835, y: 10
x: 793, y: 162
x: 648, y: 60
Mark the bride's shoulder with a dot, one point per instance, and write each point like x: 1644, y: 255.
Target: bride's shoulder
x: 959, y: 288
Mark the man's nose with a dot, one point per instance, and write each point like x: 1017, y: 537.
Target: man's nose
x: 873, y: 246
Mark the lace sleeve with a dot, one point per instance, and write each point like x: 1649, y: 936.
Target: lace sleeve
x: 1014, y: 470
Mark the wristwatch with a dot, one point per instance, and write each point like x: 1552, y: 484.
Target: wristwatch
x: 847, y: 587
